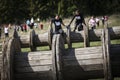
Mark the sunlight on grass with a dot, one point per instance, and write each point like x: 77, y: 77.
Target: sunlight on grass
x: 115, y: 41
x: 43, y: 48
x: 74, y: 45
x: 25, y: 50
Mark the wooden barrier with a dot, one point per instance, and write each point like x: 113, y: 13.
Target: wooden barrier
x: 82, y: 36
x: 94, y: 35
x: 60, y: 63
x: 35, y: 40
x: 33, y: 66
x: 10, y: 47
x: 87, y: 63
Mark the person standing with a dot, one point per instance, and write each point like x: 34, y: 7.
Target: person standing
x: 106, y: 19
x: 92, y: 23
x: 103, y: 20
x: 97, y: 21
x: 79, y: 19
x: 57, y: 21
x: 28, y: 23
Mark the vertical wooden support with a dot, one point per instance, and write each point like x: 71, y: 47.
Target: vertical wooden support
x: 7, y: 63
x: 32, y: 41
x: 106, y: 54
x: 108, y: 62
x: 10, y: 47
x: 60, y: 48
x: 54, y: 75
x: 57, y: 52
x: 86, y: 36
x: 50, y: 35
x: 17, y: 42
x: 68, y: 38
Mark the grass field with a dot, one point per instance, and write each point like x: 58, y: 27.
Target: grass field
x: 74, y: 45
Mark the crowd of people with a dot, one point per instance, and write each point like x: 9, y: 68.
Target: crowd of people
x: 58, y: 22
x: 95, y: 21
x: 79, y: 21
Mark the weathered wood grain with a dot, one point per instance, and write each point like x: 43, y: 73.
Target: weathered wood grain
x: 94, y: 35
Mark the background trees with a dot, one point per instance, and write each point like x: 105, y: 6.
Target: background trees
x: 11, y: 10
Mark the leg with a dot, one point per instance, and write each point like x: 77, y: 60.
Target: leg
x: 56, y: 30
x: 75, y: 27
x: 80, y: 27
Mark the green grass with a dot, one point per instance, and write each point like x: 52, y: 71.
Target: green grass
x: 114, y: 20
x: 74, y: 45
x: 115, y: 41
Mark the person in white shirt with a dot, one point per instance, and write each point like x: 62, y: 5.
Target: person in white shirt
x: 6, y: 31
x: 92, y: 23
x: 97, y: 21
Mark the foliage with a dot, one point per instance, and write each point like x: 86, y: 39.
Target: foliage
x: 12, y: 10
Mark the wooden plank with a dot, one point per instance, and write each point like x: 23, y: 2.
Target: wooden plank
x: 68, y: 38
x: 53, y: 57
x: 33, y: 63
x: 41, y: 40
x: 83, y: 62
x: 88, y: 50
x: 83, y: 57
x: 33, y: 69
x: 86, y: 36
x: 95, y: 34
x: 7, y: 64
x: 104, y: 54
x: 115, y: 50
x: 32, y: 41
x: 33, y: 75
x: 60, y: 47
x: 34, y: 53
x: 42, y: 78
x: 107, y: 45
x: 33, y: 57
x: 115, y: 62
x: 50, y: 36
x: 80, y: 74
x: 91, y: 67
x: 25, y: 39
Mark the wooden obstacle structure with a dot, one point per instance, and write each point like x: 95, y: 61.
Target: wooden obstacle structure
x: 34, y: 40
x: 60, y: 63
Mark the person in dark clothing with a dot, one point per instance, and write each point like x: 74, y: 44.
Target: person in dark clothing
x: 57, y: 21
x: 79, y: 19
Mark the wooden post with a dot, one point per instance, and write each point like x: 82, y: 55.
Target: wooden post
x: 17, y: 42
x: 8, y: 59
x: 54, y: 57
x: 86, y: 36
x: 50, y: 35
x: 107, y: 46
x: 68, y: 38
x: 57, y: 52
x: 106, y: 54
x: 60, y: 48
x: 32, y: 41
